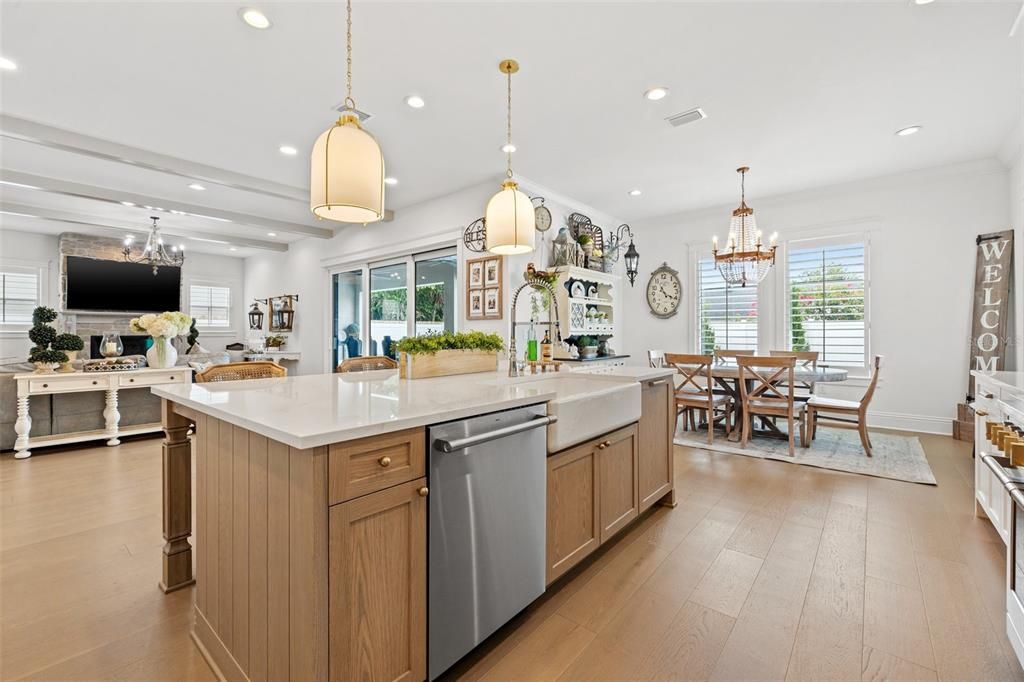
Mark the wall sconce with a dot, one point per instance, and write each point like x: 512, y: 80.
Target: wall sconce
x: 255, y: 316
x: 632, y: 256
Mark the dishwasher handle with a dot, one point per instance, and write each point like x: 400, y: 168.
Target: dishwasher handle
x: 463, y: 443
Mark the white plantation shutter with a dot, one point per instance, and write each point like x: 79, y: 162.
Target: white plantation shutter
x: 210, y: 305
x: 726, y: 315
x: 19, y: 295
x: 827, y: 302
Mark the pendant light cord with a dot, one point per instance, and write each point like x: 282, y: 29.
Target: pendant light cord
x: 349, y: 102
x: 508, y: 129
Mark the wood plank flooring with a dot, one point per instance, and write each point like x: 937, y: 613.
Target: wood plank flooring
x: 764, y: 571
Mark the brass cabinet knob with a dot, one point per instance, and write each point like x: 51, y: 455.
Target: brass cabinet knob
x: 384, y: 461
x: 607, y: 443
x: 601, y: 446
x: 423, y: 491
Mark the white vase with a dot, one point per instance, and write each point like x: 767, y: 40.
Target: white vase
x: 161, y: 355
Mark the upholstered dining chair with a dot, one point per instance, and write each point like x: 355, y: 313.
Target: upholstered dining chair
x: 770, y: 394
x: 367, y: 364
x: 696, y: 393
x: 805, y: 359
x: 725, y: 355
x: 845, y: 412
x: 656, y: 358
x: 239, y: 371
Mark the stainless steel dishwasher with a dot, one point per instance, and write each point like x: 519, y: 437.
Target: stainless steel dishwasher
x: 486, y: 527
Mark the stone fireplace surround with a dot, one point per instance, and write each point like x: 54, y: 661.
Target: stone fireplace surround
x: 87, y: 325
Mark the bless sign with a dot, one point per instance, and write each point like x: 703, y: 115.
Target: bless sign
x: 991, y: 303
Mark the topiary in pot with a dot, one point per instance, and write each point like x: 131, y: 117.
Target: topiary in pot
x: 42, y: 335
x: 46, y: 359
x: 70, y: 344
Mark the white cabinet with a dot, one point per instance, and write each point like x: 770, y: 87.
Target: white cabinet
x: 990, y: 498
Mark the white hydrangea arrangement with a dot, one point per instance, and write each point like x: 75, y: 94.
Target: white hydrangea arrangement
x: 165, y: 325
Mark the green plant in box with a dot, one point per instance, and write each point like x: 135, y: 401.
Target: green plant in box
x: 428, y: 344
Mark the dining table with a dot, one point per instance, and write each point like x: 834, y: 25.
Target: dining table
x: 727, y: 377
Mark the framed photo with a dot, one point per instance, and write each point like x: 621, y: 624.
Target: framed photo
x: 492, y: 272
x: 475, y: 304
x: 476, y: 273
x: 492, y: 303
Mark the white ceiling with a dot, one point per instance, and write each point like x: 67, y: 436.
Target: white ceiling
x: 806, y: 93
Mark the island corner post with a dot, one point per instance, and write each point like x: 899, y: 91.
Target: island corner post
x: 177, y: 497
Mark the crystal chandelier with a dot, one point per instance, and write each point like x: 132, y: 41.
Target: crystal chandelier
x: 744, y: 260
x: 347, y: 165
x: 154, y: 252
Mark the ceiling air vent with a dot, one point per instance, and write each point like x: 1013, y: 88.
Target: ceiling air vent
x: 363, y: 116
x: 685, y: 117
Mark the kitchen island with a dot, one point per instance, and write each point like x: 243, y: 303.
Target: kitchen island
x: 311, y: 497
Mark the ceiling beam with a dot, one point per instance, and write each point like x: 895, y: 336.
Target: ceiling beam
x: 86, y: 145
x: 75, y: 189
x: 24, y: 210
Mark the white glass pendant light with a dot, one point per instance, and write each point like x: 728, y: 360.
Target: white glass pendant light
x: 347, y: 168
x: 509, y: 218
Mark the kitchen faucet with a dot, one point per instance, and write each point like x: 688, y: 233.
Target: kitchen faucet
x: 554, y: 330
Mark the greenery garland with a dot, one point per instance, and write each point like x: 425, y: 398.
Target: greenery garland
x: 428, y: 344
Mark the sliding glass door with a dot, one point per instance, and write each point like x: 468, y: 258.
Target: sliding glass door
x: 377, y: 304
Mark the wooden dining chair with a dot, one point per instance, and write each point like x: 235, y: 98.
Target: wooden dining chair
x: 845, y: 412
x: 695, y: 392
x: 770, y: 394
x: 805, y: 359
x: 240, y: 371
x: 725, y: 355
x: 367, y: 364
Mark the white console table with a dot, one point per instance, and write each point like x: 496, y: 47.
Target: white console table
x: 30, y: 384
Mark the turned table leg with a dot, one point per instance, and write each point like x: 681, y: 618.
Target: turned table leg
x: 112, y: 417
x: 177, y: 501
x: 22, y: 427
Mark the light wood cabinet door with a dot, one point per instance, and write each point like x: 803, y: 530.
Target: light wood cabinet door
x: 378, y: 575
x: 654, y: 432
x: 573, y: 525
x: 618, y: 492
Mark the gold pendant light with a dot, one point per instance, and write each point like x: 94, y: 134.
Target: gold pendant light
x: 509, y: 219
x: 347, y: 167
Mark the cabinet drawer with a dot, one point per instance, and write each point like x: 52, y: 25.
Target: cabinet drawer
x: 171, y: 376
x: 374, y: 463
x: 60, y: 384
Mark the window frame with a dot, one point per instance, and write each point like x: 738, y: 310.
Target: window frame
x: 233, y: 289
x: 824, y: 241
x: 41, y: 273
x: 764, y: 290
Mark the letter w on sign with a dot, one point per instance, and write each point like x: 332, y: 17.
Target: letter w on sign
x: 991, y: 304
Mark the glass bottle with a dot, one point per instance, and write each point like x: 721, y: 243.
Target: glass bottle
x: 531, y: 342
x: 545, y: 347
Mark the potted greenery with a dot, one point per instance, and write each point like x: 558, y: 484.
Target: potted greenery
x: 586, y: 243
x: 447, y: 353
x: 587, y: 347
x: 71, y: 344
x: 42, y: 335
x: 273, y: 341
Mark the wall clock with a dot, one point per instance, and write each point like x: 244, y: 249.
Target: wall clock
x: 664, y: 292
x: 542, y: 217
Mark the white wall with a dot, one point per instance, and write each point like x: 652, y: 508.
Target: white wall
x: 922, y: 228
x: 42, y: 250
x: 437, y: 223
x: 1016, y: 195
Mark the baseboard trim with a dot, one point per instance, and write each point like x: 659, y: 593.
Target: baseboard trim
x: 918, y: 423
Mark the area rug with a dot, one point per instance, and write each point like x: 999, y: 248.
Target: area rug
x: 898, y: 457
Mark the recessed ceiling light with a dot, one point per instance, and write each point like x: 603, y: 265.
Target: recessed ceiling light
x: 127, y: 203
x: 635, y: 192
x: 508, y: 148
x: 654, y: 94
x: 7, y: 65
x: 255, y: 18
x: 910, y: 130
x: 415, y: 101
x: 271, y: 234
x: 390, y: 181
x: 196, y: 186
x: 288, y: 150
x: 232, y: 249
x: 923, y: 2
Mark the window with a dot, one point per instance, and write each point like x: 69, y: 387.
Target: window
x: 19, y: 295
x: 827, y: 302
x: 727, y: 314
x: 210, y: 305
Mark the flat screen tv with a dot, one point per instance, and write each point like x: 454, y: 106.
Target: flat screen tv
x: 115, y: 286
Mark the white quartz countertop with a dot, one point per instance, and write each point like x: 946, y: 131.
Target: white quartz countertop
x: 313, y: 410
x: 1011, y: 380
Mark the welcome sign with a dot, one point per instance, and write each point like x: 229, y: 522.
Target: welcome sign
x: 991, y: 304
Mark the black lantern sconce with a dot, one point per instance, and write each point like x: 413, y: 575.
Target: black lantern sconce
x: 632, y: 256
x: 255, y: 316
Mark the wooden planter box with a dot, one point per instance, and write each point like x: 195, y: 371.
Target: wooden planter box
x: 446, y: 362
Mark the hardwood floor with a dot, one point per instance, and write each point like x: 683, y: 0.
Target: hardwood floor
x: 764, y: 570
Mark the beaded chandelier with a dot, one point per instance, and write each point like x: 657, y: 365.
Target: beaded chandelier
x: 744, y: 260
